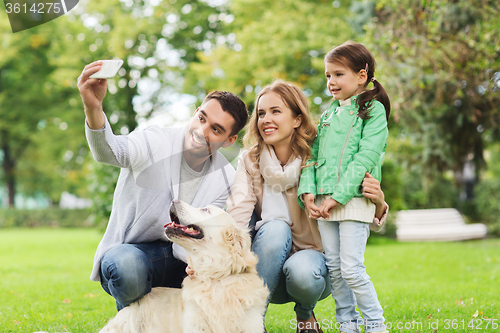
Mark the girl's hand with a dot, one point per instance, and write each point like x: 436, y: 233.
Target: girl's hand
x: 311, y: 208
x: 327, y: 206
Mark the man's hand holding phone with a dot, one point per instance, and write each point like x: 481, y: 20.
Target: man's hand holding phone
x: 92, y: 84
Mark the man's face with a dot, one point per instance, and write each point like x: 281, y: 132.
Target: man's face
x: 209, y: 129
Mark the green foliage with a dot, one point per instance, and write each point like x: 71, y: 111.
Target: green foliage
x: 441, y: 193
x: 51, y: 217
x: 207, y: 40
x: 424, y: 193
x: 41, y: 132
x: 488, y: 205
x: 42, y: 146
x: 485, y: 205
x: 492, y: 157
x: 272, y: 39
x: 157, y: 42
x: 361, y: 12
x: 102, y: 186
x: 407, y: 183
x: 392, y: 185
x: 439, y: 61
x: 22, y: 105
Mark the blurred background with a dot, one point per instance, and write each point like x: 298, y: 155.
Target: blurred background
x: 439, y: 61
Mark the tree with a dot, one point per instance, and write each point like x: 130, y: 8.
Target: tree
x: 24, y: 66
x: 41, y: 133
x: 157, y: 40
x: 441, y: 62
x: 272, y: 39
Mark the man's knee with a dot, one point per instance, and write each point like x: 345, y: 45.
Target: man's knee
x: 125, y: 267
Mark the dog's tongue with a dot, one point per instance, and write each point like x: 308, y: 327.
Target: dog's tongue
x: 187, y: 230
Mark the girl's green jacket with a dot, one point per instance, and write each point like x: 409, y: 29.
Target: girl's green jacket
x: 345, y: 148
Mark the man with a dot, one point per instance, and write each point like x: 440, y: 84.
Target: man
x: 158, y: 165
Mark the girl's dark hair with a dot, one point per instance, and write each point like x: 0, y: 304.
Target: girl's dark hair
x: 356, y: 57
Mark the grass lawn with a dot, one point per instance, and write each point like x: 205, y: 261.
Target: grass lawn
x: 45, y: 285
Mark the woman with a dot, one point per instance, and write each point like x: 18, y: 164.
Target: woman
x: 287, y: 241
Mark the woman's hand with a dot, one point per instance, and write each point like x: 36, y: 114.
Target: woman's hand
x: 371, y: 190
x: 311, y: 208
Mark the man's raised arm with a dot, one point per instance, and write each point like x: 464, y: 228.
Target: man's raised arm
x: 93, y: 92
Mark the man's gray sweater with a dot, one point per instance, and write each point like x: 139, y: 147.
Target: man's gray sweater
x: 149, y: 180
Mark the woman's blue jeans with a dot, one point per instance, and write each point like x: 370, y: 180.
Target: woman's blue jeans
x: 301, y: 278
x: 129, y: 271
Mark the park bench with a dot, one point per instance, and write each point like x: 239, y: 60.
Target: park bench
x: 445, y: 224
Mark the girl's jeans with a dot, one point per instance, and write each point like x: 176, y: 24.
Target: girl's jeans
x: 129, y: 271
x: 301, y: 278
x: 344, y: 244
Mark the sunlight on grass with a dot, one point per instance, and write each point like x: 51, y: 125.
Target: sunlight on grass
x: 45, y: 284
x: 45, y: 281
x: 424, y: 286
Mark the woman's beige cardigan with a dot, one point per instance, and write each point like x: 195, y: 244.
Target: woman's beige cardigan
x: 247, y: 195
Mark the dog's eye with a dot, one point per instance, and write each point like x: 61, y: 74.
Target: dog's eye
x: 206, y: 210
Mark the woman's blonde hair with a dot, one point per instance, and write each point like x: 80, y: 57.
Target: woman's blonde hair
x: 303, y: 136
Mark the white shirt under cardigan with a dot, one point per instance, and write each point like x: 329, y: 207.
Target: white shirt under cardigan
x: 149, y: 180
x: 277, y: 180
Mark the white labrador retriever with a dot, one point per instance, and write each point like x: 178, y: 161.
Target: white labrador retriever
x: 224, y: 295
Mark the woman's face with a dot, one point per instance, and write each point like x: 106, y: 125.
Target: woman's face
x: 276, y: 122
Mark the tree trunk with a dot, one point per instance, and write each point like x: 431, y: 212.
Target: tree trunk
x: 11, y: 187
x: 9, y: 172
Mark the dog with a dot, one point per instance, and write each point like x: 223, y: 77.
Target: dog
x: 225, y: 293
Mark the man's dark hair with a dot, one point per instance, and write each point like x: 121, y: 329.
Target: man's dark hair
x: 232, y: 104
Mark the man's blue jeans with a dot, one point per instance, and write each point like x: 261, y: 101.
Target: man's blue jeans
x: 129, y: 271
x: 301, y: 278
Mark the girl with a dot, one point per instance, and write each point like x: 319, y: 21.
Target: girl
x: 351, y: 141
x: 287, y: 241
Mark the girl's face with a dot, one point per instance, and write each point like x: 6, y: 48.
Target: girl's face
x: 276, y: 122
x: 342, y: 82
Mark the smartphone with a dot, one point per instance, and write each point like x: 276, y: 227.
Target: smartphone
x: 109, y: 68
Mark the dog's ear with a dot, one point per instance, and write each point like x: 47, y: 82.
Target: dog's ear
x: 239, y: 242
